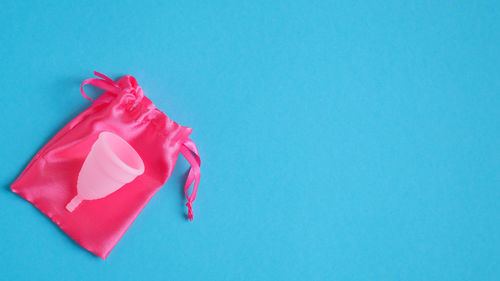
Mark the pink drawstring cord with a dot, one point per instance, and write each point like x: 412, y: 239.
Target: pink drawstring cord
x: 190, y: 152
x: 105, y: 83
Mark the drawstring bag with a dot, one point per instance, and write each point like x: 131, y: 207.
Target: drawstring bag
x: 97, y: 174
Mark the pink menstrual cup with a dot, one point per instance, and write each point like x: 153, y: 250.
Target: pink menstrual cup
x: 110, y: 164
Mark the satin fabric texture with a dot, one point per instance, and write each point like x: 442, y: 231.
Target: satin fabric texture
x: 49, y: 181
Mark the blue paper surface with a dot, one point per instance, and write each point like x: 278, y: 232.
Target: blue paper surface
x: 340, y: 140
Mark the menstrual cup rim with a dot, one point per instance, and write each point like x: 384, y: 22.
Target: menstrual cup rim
x: 116, y: 159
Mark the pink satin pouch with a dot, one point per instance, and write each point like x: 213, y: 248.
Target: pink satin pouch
x: 49, y: 181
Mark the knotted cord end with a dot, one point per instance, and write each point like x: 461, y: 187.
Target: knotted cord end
x: 190, y: 210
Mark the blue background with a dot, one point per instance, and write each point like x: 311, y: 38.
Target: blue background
x: 340, y: 140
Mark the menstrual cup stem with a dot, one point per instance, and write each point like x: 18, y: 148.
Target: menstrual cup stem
x: 73, y: 203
